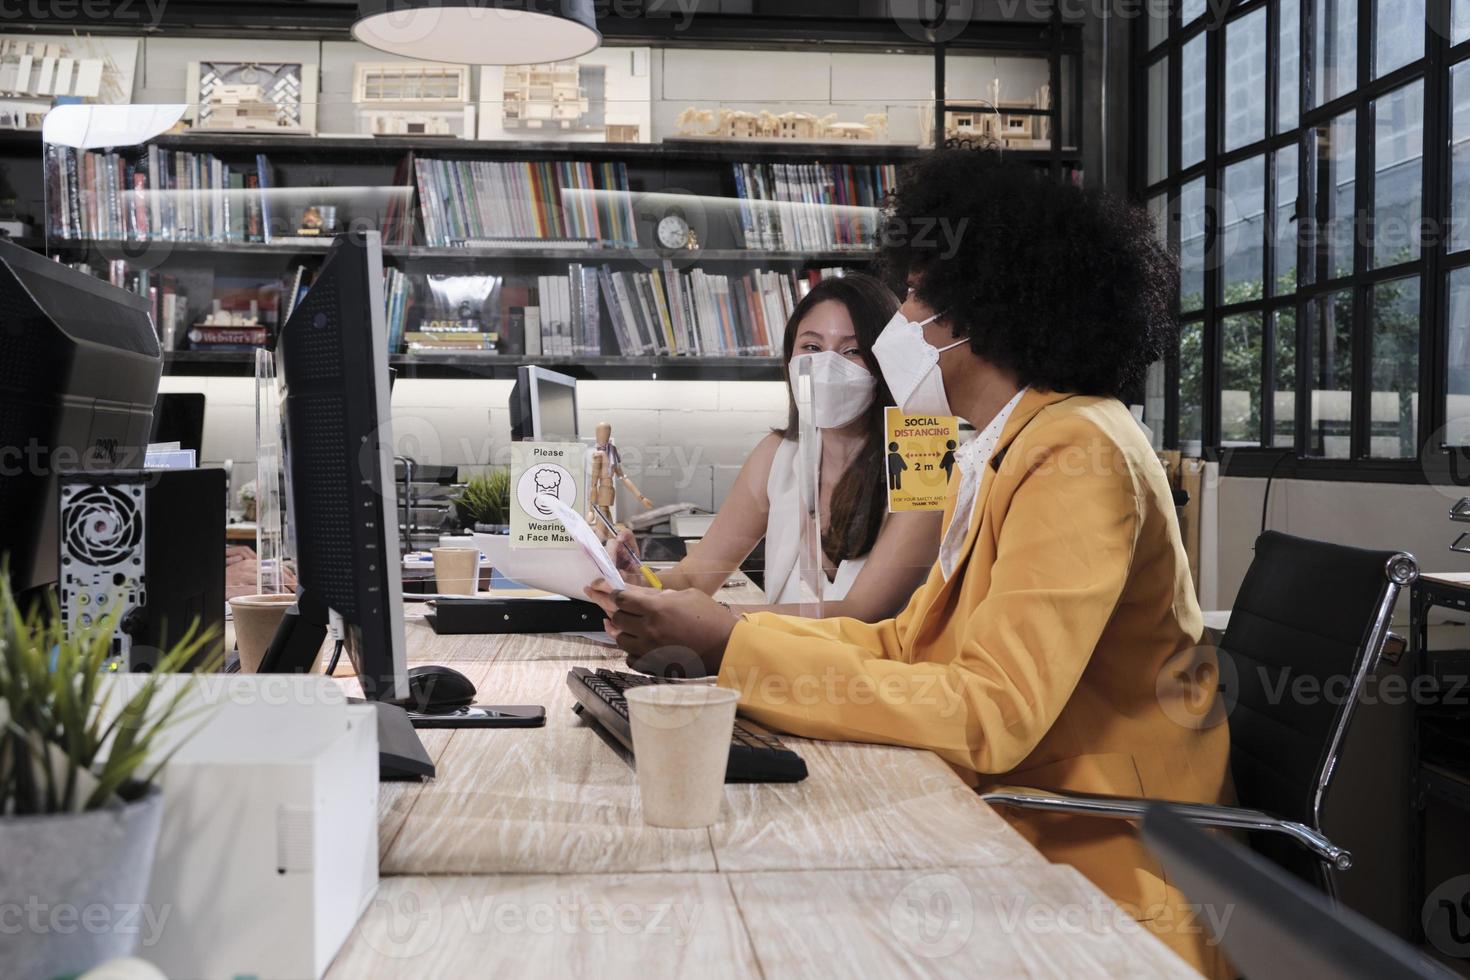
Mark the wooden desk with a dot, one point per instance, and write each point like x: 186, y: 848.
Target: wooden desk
x: 528, y: 851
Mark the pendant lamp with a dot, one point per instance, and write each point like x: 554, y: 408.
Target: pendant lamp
x: 479, y: 32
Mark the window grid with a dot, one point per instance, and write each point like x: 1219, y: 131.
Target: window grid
x: 1430, y: 269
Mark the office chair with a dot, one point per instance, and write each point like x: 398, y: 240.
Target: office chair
x: 1269, y: 924
x: 1306, y: 609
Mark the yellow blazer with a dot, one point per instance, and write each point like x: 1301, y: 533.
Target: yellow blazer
x: 1061, y: 654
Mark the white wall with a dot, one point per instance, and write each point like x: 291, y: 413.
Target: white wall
x: 1367, y: 515
x: 680, y: 440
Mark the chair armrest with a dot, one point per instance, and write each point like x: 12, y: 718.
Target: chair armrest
x: 1209, y: 815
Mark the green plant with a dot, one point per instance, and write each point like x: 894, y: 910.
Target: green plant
x: 61, y: 749
x: 485, y: 499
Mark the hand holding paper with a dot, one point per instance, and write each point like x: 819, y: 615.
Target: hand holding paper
x: 585, y: 537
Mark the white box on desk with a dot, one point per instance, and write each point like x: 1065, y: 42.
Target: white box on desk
x: 268, y: 853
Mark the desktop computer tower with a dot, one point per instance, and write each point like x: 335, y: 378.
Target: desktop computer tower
x: 79, y: 370
x: 149, y: 544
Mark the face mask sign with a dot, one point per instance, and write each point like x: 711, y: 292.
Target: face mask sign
x: 841, y: 390
x: 910, y: 365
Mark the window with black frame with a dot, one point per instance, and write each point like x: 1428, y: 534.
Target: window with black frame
x: 1324, y: 257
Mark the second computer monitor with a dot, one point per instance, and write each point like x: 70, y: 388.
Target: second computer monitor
x: 178, y: 416
x: 543, y: 406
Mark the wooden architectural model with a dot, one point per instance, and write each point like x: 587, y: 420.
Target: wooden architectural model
x: 408, y: 98
x: 736, y: 124
x: 240, y: 107
x: 545, y: 96
x: 34, y: 72
x: 276, y: 97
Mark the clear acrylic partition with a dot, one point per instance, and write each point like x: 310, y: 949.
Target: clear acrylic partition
x: 612, y: 231
x: 811, y: 564
x: 272, y: 543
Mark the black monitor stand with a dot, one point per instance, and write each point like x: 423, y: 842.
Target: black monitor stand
x: 294, y: 650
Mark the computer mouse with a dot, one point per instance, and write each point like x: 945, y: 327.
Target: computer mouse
x: 434, y: 687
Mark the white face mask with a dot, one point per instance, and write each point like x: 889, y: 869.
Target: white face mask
x: 841, y: 389
x: 910, y: 365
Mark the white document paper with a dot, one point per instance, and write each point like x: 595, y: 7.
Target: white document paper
x: 585, y: 537
x: 565, y: 571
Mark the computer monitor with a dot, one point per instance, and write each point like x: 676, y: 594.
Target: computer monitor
x: 543, y: 406
x: 79, y: 370
x: 342, y: 513
x: 332, y: 358
x: 178, y: 416
x: 1270, y: 924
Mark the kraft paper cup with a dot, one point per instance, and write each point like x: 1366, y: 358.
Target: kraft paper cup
x: 256, y: 618
x: 681, y: 744
x: 457, y: 570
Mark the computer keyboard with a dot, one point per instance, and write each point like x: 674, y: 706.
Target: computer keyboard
x: 756, y: 756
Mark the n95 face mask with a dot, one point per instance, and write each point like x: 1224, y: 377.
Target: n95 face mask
x: 910, y: 365
x: 841, y: 389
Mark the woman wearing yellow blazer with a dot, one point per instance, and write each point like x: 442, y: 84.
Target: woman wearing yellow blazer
x: 1054, y: 643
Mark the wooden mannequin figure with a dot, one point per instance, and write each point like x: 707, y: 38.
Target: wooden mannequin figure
x: 601, y: 495
x: 607, y: 466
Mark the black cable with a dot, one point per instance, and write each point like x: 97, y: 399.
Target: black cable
x: 336, y: 655
x: 1266, y: 501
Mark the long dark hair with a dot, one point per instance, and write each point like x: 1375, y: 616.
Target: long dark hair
x: 858, y: 500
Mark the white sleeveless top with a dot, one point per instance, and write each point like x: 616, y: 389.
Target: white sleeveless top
x: 783, y: 535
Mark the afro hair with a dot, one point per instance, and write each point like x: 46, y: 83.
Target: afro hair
x: 1068, y: 288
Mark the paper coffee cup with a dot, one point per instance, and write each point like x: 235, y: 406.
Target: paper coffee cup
x: 681, y: 745
x: 256, y: 618
x: 457, y: 570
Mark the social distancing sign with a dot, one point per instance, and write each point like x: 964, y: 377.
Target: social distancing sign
x: 552, y: 468
x: 919, y: 457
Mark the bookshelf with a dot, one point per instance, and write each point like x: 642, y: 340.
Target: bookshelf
x: 463, y: 253
x: 731, y: 338
x: 96, y: 217
x: 503, y: 366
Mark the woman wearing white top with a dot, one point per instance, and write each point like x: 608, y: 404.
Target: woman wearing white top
x: 873, y: 561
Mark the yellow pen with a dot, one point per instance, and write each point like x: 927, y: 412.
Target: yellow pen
x: 648, y: 575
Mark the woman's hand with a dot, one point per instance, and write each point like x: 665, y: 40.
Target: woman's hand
x: 241, y: 571
x: 601, y: 592
x: 618, y: 549
x: 669, y: 633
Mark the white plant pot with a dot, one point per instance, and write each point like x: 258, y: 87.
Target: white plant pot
x: 75, y: 884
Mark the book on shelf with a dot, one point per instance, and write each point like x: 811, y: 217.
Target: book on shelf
x: 670, y: 312
x: 533, y: 204
x: 398, y: 297
x: 422, y: 341
x: 168, y: 311
x: 531, y: 324
x: 398, y: 216
x: 811, y: 206
x: 242, y: 315
x: 567, y: 318
x: 155, y: 194
x: 214, y: 338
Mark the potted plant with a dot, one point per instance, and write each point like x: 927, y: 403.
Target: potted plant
x: 484, y: 504
x: 246, y: 493
x: 79, y: 805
